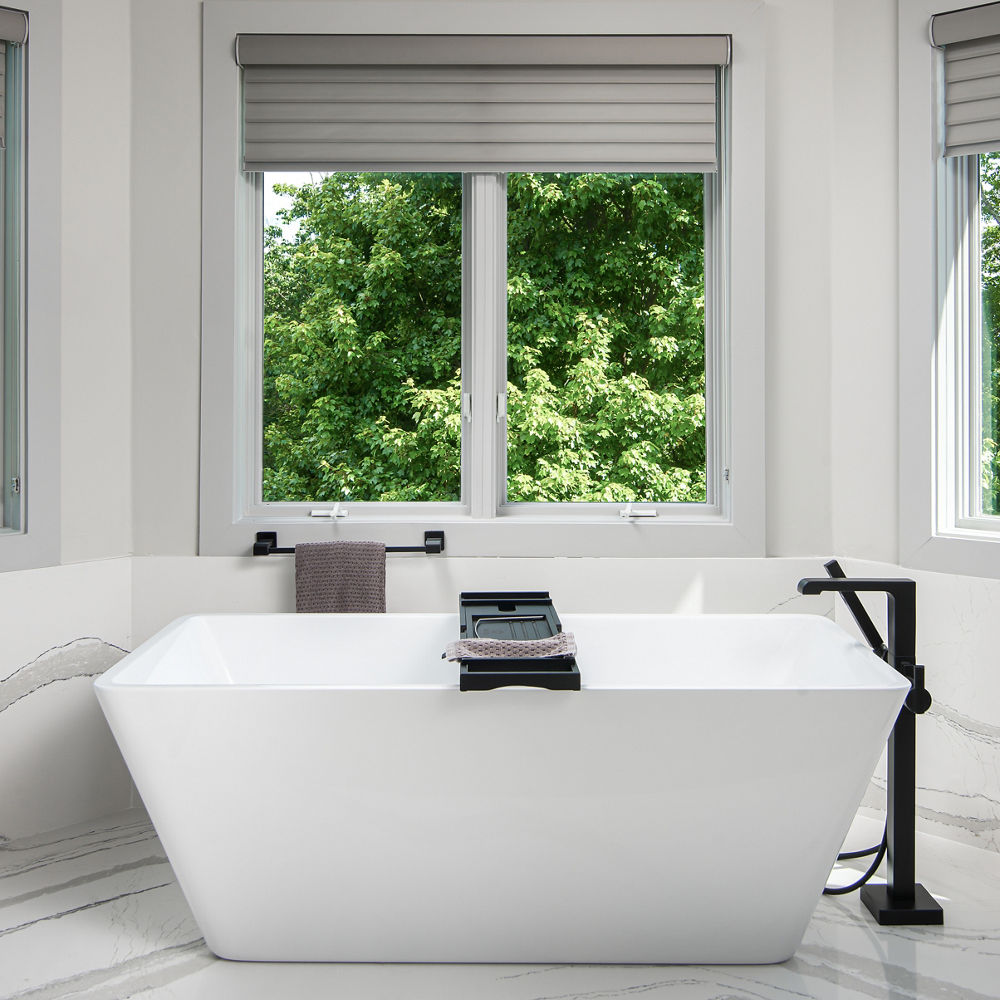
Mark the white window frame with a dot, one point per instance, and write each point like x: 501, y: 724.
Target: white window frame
x: 11, y: 300
x: 35, y: 542
x: 731, y: 523
x: 939, y: 313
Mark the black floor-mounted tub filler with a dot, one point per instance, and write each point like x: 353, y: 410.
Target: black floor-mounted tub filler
x: 902, y: 900
x: 513, y: 616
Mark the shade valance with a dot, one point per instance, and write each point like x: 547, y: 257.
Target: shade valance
x: 481, y: 102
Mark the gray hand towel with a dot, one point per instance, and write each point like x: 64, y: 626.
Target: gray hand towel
x: 347, y: 577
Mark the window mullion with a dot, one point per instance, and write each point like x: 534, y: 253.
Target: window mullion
x: 485, y: 272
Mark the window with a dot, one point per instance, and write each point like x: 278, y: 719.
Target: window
x: 970, y: 196
x: 603, y: 392
x: 438, y: 321
x: 30, y: 304
x: 11, y: 332
x: 967, y: 374
x: 950, y: 491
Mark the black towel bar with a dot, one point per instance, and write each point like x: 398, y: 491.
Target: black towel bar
x: 266, y: 544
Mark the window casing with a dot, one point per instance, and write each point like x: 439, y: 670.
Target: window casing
x: 11, y: 295
x: 731, y: 522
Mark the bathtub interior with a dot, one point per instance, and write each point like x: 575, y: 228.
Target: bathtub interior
x: 405, y: 651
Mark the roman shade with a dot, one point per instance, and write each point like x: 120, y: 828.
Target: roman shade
x: 482, y: 102
x: 13, y: 29
x: 13, y: 26
x: 971, y: 42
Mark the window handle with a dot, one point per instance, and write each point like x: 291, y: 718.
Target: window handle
x: 467, y: 406
x: 334, y: 511
x: 629, y: 511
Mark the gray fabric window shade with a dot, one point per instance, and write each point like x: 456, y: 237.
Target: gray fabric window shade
x: 481, y: 103
x: 13, y: 26
x: 3, y: 94
x: 13, y: 29
x: 971, y: 42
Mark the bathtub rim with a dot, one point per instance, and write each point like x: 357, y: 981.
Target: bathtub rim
x: 886, y: 678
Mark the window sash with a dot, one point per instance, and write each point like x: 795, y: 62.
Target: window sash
x: 716, y: 397
x: 484, y: 379
x: 958, y: 357
x: 11, y: 295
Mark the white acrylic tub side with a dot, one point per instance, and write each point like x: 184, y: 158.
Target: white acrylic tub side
x: 690, y: 813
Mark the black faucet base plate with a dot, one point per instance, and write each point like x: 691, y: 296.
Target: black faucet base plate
x: 923, y: 909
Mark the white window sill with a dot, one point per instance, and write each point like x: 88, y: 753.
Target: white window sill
x: 465, y: 536
x: 960, y: 552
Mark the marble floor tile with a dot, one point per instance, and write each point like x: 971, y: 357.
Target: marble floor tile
x: 94, y: 912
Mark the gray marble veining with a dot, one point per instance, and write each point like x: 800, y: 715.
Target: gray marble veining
x: 958, y: 740
x: 94, y: 912
x: 60, y: 761
x: 85, y: 657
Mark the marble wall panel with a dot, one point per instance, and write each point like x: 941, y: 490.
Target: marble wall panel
x: 958, y: 740
x: 59, y: 628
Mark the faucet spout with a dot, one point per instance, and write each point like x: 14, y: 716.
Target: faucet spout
x: 894, y: 587
x: 900, y: 649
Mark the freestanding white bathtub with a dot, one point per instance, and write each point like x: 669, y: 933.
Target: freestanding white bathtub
x: 326, y: 793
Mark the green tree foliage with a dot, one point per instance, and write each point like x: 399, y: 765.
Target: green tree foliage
x: 606, y: 337
x: 606, y: 362
x: 362, y: 340
x: 989, y: 175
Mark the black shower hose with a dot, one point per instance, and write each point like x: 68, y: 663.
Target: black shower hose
x: 878, y: 851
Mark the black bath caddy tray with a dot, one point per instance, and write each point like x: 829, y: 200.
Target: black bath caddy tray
x: 524, y: 614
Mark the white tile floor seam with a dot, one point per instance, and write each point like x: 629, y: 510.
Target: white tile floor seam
x: 94, y: 912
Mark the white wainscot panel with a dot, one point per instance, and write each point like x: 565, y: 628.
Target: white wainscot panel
x: 167, y: 587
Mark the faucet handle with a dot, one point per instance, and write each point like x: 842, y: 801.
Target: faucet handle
x: 919, y: 698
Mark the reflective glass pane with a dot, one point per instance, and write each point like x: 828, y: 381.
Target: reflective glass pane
x: 606, y: 338
x: 989, y: 367
x: 362, y: 337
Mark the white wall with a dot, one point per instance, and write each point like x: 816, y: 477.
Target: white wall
x: 862, y: 417
x: 130, y: 399
x: 96, y: 261
x: 63, y: 624
x: 798, y: 293
x: 166, y: 336
x: 166, y: 274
